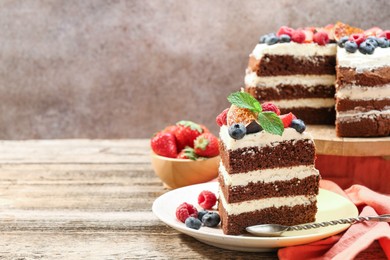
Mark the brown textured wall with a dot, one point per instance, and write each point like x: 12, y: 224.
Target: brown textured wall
x: 120, y: 69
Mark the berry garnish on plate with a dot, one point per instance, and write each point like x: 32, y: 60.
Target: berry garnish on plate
x: 211, y: 219
x: 192, y: 222
x: 207, y: 199
x: 185, y: 210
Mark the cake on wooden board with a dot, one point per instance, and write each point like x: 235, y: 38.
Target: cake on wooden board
x: 298, y: 69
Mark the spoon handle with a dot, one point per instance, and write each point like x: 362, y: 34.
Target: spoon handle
x: 380, y: 218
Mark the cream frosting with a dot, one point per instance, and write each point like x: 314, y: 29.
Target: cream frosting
x: 261, y: 138
x: 267, y: 175
x: 252, y: 205
x: 353, y: 115
x: 253, y: 80
x: 294, y: 49
x: 356, y: 92
x: 305, y: 102
x: 362, y: 62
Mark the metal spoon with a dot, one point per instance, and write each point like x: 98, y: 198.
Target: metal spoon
x: 275, y: 230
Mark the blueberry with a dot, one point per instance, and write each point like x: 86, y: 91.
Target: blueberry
x: 383, y: 42
x: 350, y: 46
x: 237, y: 131
x: 201, y: 214
x: 262, y: 38
x: 298, y: 125
x: 373, y: 41
x: 193, y: 223
x: 211, y: 219
x: 366, y: 47
x: 271, y: 40
x: 342, y: 41
x: 284, y: 38
x: 253, y: 127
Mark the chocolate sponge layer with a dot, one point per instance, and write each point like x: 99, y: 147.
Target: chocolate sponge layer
x: 283, y: 65
x: 282, y: 154
x: 261, y: 190
x: 236, y: 224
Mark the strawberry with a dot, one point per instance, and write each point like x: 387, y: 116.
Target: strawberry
x: 298, y: 36
x: 164, y: 144
x: 285, y: 30
x: 287, y: 118
x: 186, y: 133
x: 206, y: 145
x: 321, y: 38
x: 170, y: 129
x: 222, y: 118
x: 268, y: 106
x: 204, y: 128
x: 187, y: 153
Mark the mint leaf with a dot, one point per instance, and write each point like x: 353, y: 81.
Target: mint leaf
x: 245, y: 100
x: 271, y: 123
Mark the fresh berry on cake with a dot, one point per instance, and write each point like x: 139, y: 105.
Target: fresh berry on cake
x: 267, y: 172
x: 295, y: 70
x: 363, y: 84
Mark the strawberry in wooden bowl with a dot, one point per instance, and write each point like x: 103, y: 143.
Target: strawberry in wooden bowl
x: 185, y: 154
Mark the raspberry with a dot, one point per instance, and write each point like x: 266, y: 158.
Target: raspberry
x: 357, y: 37
x: 321, y: 38
x: 285, y: 30
x: 270, y: 107
x: 207, y: 199
x: 186, y: 210
x: 298, y: 36
x: 287, y: 118
x: 222, y: 118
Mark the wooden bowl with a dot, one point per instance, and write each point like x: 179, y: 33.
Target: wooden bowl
x: 176, y: 173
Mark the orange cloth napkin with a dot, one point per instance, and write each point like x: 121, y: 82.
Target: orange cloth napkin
x: 358, y: 237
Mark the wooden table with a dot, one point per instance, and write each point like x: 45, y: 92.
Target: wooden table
x: 88, y: 199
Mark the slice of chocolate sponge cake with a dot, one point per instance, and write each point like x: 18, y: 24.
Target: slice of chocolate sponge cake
x: 267, y: 173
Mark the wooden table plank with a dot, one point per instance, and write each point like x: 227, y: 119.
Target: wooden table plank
x: 88, y: 199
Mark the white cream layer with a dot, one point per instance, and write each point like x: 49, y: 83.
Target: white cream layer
x: 362, y: 62
x: 252, y: 80
x: 355, y: 92
x: 252, y: 205
x: 294, y: 49
x: 260, y: 139
x: 267, y: 175
x: 305, y: 102
x: 357, y: 115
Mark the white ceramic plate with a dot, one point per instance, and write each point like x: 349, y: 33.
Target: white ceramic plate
x: 330, y: 206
